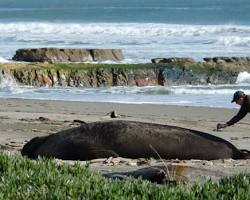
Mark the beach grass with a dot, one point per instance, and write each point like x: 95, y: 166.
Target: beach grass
x: 21, y: 178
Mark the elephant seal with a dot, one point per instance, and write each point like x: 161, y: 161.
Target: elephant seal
x: 131, y: 139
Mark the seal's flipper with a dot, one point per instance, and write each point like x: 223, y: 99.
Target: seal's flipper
x: 100, y: 152
x: 83, y: 150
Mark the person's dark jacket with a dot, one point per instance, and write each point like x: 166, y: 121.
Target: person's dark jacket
x: 245, y: 108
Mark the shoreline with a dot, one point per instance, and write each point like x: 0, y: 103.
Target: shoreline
x: 23, y: 119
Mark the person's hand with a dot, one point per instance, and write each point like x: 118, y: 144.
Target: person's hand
x: 220, y: 126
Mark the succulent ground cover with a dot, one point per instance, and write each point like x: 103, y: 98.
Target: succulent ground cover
x: 21, y: 178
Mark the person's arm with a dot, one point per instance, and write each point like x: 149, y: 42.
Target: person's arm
x: 241, y: 114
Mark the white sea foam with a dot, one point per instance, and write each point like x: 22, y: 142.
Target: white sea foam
x: 3, y: 60
x: 235, y: 41
x: 139, y: 41
x: 213, y: 96
x: 9, y: 85
x: 243, y: 77
x: 170, y: 90
x: 156, y: 94
x: 152, y: 29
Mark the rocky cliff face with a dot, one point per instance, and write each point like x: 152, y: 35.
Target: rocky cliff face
x: 90, y: 75
x: 55, y: 55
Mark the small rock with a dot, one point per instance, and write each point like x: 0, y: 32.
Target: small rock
x: 113, y: 114
x: 79, y: 121
x: 43, y: 119
x: 172, y: 60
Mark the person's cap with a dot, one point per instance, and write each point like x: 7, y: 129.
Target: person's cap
x: 237, y: 95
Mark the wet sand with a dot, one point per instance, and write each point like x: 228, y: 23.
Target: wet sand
x: 22, y: 120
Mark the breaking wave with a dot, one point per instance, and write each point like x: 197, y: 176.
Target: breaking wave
x: 135, y: 29
x: 139, y: 41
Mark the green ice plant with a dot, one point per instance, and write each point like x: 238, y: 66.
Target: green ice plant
x: 21, y: 178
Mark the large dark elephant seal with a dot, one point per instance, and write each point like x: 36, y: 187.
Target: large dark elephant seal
x: 132, y: 140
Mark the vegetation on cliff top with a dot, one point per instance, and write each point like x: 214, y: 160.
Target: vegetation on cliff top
x: 197, y: 66
x: 21, y: 178
x: 75, y: 66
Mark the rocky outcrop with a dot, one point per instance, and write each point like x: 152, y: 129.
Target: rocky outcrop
x: 172, y: 60
x: 164, y: 71
x: 217, y: 60
x: 86, y: 77
x: 55, y: 55
x: 228, y: 59
x: 106, y: 54
x: 98, y: 75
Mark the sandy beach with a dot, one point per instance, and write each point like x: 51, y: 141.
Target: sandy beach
x: 22, y: 120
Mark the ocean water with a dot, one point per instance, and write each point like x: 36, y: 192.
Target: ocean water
x: 138, y: 11
x: 184, y: 95
x: 143, y: 29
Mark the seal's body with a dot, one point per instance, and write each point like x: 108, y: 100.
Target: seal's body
x: 132, y: 140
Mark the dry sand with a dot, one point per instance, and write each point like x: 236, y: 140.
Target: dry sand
x: 22, y: 120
